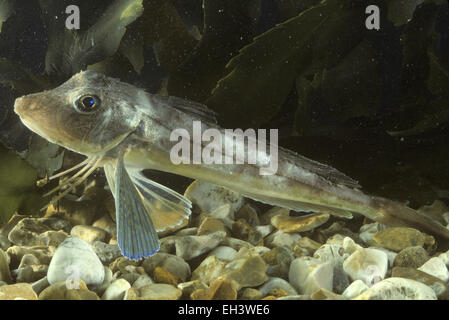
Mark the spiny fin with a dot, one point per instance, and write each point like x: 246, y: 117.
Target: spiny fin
x: 168, y: 209
x: 136, y: 235
x: 195, y: 109
x: 320, y: 169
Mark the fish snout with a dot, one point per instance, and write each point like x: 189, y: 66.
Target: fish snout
x: 22, y: 105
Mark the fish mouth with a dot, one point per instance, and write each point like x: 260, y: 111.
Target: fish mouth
x: 28, y: 112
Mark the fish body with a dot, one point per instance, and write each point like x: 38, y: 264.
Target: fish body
x: 125, y: 130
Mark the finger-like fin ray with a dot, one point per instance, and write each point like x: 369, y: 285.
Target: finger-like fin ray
x: 90, y: 167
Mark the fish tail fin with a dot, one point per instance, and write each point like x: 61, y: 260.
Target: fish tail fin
x: 396, y: 214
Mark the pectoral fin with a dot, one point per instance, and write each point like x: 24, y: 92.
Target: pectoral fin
x: 168, y: 209
x: 136, y: 235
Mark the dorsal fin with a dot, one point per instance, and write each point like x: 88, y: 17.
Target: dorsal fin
x: 192, y: 108
x: 320, y: 169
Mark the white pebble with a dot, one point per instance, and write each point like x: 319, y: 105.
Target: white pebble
x: 368, y: 265
x: 75, y: 258
x: 116, y: 290
x: 308, y: 274
x: 398, y: 289
x: 436, y: 267
x: 354, y: 289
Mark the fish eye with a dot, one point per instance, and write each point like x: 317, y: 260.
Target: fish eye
x: 88, y: 103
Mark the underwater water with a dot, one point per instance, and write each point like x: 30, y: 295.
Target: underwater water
x: 358, y: 90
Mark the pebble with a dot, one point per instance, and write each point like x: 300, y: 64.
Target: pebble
x: 368, y: 230
x: 60, y: 291
x: 57, y: 223
x: 249, y: 214
x: 159, y: 291
x: 399, y: 238
x: 209, y: 269
x: 89, y: 234
x: 278, y: 261
x: 77, y: 212
x: 324, y: 294
x: 356, y: 288
x: 243, y: 230
x: 398, y: 289
x: 310, y: 245
x: 22, y: 291
x: 413, y: 257
x: 31, y: 273
x: 209, y: 196
x: 350, y: 246
x: 168, y: 244
x: 265, y: 218
x: 188, y: 287
x: 331, y: 252
x: 220, y: 289
x: 42, y: 253
x: 161, y: 275
x: 28, y: 260
x: 107, y: 253
x: 236, y: 244
x: 304, y: 223
x: 323, y: 235
x: 390, y: 255
x: 187, y: 232
x: 51, y: 238
x: 141, y: 281
x: 251, y: 294
x: 26, y: 232
x: 277, y: 283
x: 247, y: 271
x: 439, y: 286
x: 223, y: 253
x: 309, y: 274
x: 123, y: 265
x: 33, y: 232
x: 116, y: 290
x: 4, y: 242
x: 190, y: 247
x: 171, y: 263
x: 108, y: 278
x: 105, y: 223
x: 340, y: 280
x: 225, y: 214
x: 5, y: 274
x: 209, y: 225
x: 40, y: 285
x: 264, y: 230
x: 368, y: 265
x: 282, y: 239
x: 445, y: 257
x: 75, y: 258
x: 131, y: 277
x: 436, y: 267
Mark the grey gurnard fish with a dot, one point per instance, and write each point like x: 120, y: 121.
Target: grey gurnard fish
x: 124, y: 129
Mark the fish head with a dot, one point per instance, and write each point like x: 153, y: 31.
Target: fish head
x: 89, y: 113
